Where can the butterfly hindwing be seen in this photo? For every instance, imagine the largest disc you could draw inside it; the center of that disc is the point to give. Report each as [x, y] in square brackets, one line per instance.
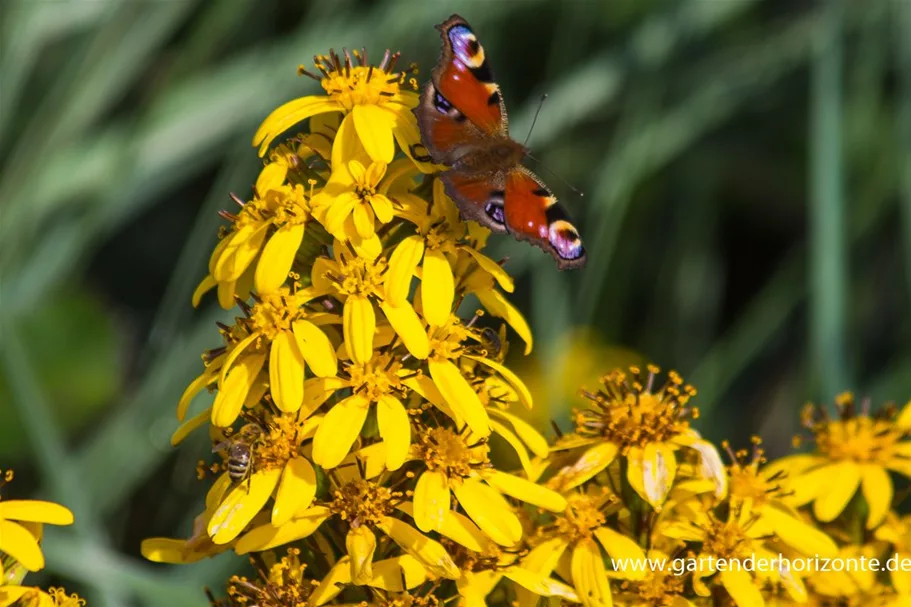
[479, 197]
[532, 213]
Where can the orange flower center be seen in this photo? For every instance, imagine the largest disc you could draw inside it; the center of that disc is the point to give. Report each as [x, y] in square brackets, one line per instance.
[580, 519]
[444, 450]
[376, 378]
[364, 502]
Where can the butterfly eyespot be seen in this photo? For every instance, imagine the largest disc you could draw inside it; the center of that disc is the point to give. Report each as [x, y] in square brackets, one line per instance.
[565, 240]
[494, 207]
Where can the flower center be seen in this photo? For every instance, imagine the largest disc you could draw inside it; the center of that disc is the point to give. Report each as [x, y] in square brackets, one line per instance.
[360, 276]
[278, 444]
[352, 82]
[629, 414]
[727, 539]
[364, 502]
[274, 313]
[446, 342]
[745, 480]
[469, 560]
[283, 586]
[861, 439]
[659, 588]
[441, 238]
[580, 519]
[444, 450]
[59, 598]
[377, 377]
[406, 599]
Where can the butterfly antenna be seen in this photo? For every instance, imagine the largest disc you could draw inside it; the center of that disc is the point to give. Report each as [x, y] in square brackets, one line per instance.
[552, 172]
[535, 119]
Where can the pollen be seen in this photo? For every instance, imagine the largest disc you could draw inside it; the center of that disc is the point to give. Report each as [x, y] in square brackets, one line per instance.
[727, 539]
[363, 502]
[492, 559]
[745, 480]
[283, 585]
[630, 413]
[580, 519]
[377, 377]
[441, 237]
[351, 82]
[274, 312]
[660, 588]
[444, 450]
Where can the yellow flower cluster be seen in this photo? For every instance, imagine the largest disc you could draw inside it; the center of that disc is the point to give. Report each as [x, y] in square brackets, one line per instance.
[354, 410]
[21, 530]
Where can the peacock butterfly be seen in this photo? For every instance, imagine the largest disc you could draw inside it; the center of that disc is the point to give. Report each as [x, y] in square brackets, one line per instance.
[463, 125]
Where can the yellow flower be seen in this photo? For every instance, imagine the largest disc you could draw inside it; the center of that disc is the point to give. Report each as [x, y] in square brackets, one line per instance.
[21, 523]
[353, 201]
[857, 450]
[277, 469]
[266, 349]
[25, 596]
[366, 506]
[658, 588]
[646, 427]
[376, 107]
[260, 247]
[358, 283]
[199, 545]
[570, 545]
[374, 383]
[896, 531]
[457, 463]
[763, 491]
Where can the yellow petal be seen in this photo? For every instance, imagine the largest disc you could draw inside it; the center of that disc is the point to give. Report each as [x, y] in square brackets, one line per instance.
[286, 373]
[208, 283]
[437, 288]
[271, 177]
[316, 348]
[798, 534]
[234, 389]
[347, 147]
[589, 576]
[495, 303]
[268, 536]
[362, 215]
[621, 547]
[196, 386]
[16, 541]
[877, 490]
[338, 212]
[278, 255]
[407, 134]
[382, 208]
[338, 431]
[402, 264]
[526, 432]
[295, 491]
[513, 440]
[398, 574]
[225, 294]
[513, 379]
[543, 586]
[844, 478]
[188, 427]
[241, 504]
[361, 544]
[740, 586]
[460, 396]
[589, 464]
[9, 595]
[493, 268]
[526, 491]
[317, 390]
[395, 430]
[289, 114]
[35, 511]
[492, 513]
[460, 529]
[168, 550]
[659, 467]
[544, 557]
[234, 354]
[430, 553]
[374, 129]
[408, 326]
[431, 500]
[359, 326]
[239, 254]
[217, 491]
[904, 418]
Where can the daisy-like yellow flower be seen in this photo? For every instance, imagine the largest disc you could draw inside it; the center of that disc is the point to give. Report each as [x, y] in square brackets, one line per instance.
[364, 506]
[265, 235]
[572, 545]
[266, 349]
[458, 464]
[376, 106]
[21, 523]
[358, 283]
[855, 451]
[277, 469]
[658, 588]
[645, 426]
[26, 596]
[764, 491]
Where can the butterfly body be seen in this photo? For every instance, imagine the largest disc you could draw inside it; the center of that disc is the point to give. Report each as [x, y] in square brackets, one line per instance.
[463, 125]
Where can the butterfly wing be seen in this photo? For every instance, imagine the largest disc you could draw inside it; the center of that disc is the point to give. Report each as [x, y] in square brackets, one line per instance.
[532, 213]
[461, 106]
[480, 197]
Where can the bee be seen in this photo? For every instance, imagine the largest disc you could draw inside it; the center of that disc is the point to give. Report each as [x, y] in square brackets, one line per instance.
[493, 341]
[239, 447]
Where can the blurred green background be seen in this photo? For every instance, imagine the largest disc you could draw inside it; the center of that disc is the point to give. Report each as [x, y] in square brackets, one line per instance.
[747, 176]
